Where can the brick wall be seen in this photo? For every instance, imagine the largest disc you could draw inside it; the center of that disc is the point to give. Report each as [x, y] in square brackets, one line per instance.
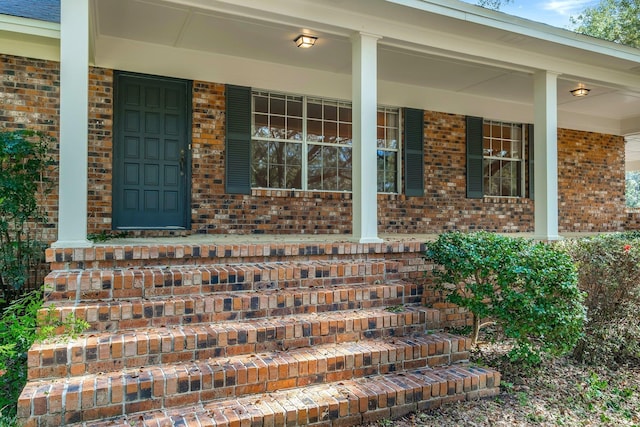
[100, 149]
[445, 206]
[29, 99]
[591, 182]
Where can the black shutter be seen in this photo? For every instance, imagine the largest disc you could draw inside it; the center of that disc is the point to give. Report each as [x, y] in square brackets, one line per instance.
[475, 186]
[238, 140]
[530, 145]
[413, 152]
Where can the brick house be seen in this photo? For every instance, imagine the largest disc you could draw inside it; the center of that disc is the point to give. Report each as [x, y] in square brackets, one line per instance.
[356, 119]
[502, 69]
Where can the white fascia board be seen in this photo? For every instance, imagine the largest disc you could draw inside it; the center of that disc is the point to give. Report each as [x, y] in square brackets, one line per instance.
[502, 21]
[29, 38]
[29, 46]
[32, 27]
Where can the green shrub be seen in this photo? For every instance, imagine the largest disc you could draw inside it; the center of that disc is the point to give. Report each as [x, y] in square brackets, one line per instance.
[529, 289]
[23, 160]
[20, 327]
[609, 274]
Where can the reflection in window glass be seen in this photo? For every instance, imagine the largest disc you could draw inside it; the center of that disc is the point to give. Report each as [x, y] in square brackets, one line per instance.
[284, 127]
[503, 147]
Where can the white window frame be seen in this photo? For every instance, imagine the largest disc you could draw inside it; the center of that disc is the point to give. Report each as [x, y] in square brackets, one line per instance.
[305, 143]
[521, 160]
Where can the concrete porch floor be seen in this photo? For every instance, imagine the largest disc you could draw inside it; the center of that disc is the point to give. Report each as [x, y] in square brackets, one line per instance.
[296, 238]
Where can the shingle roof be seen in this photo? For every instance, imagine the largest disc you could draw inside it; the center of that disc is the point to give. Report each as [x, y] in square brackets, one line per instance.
[43, 10]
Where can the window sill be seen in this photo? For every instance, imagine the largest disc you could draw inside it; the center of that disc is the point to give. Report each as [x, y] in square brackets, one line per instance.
[274, 192]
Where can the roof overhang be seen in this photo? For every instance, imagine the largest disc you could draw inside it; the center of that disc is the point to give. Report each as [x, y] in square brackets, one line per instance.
[29, 37]
[442, 55]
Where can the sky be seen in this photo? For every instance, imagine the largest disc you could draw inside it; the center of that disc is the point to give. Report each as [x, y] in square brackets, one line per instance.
[552, 12]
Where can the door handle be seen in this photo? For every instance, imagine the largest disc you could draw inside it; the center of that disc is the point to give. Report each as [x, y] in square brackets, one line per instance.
[182, 162]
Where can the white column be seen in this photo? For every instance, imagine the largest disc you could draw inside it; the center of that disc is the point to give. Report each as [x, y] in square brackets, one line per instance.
[365, 99]
[74, 97]
[546, 155]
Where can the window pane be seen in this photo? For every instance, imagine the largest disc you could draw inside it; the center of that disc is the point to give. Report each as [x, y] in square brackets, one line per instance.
[294, 154]
[516, 133]
[344, 133]
[387, 172]
[314, 130]
[314, 176]
[294, 108]
[324, 149]
[275, 153]
[344, 158]
[392, 119]
[329, 158]
[259, 164]
[294, 129]
[330, 131]
[516, 150]
[496, 130]
[392, 138]
[314, 110]
[506, 132]
[278, 129]
[380, 162]
[345, 114]
[330, 179]
[330, 111]
[486, 147]
[276, 176]
[277, 106]
[314, 155]
[505, 148]
[344, 181]
[380, 142]
[391, 173]
[260, 104]
[390, 161]
[260, 127]
[294, 177]
[502, 148]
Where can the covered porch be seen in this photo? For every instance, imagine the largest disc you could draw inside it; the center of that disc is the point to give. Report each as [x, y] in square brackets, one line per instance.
[436, 56]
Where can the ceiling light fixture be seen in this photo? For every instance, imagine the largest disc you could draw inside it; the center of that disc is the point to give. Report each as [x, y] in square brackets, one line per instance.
[305, 41]
[580, 91]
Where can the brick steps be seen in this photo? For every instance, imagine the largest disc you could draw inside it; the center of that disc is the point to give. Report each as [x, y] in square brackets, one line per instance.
[123, 315]
[170, 385]
[108, 351]
[168, 280]
[118, 255]
[343, 403]
[267, 334]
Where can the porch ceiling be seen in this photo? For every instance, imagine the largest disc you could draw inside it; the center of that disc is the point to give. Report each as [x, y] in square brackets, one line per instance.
[236, 29]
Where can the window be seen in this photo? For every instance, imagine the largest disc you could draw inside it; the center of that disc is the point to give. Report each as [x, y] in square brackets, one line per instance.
[388, 141]
[503, 159]
[306, 143]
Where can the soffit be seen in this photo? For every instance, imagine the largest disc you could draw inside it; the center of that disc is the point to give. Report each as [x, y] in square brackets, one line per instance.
[238, 29]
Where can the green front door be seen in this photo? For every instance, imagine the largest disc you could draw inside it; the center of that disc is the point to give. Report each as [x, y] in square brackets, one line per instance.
[151, 171]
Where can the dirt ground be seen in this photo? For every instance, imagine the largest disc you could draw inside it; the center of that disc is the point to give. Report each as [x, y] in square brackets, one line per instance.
[561, 393]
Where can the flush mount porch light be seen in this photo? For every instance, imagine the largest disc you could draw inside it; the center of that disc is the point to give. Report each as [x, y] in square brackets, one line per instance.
[305, 41]
[580, 91]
